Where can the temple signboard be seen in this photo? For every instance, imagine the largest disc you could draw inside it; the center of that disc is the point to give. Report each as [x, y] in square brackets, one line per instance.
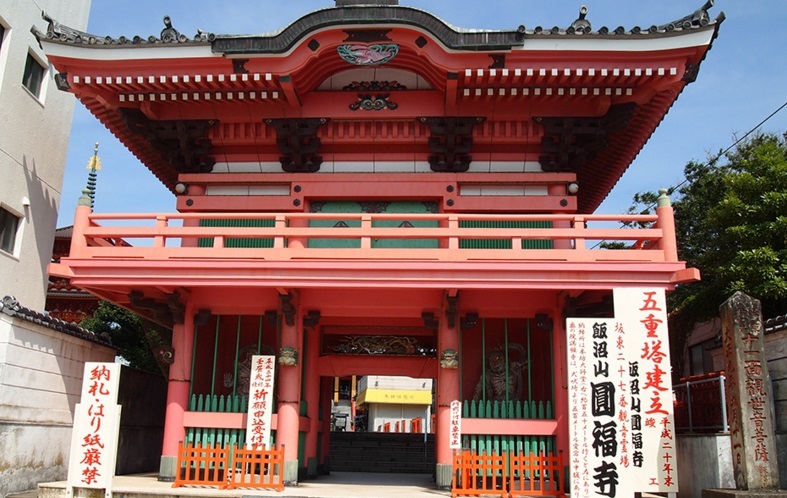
[96, 429]
[258, 421]
[620, 398]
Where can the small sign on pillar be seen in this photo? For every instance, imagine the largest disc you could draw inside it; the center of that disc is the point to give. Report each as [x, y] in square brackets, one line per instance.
[96, 428]
[455, 434]
[258, 425]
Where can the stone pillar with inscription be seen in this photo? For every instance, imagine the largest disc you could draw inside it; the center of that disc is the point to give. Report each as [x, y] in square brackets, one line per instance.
[749, 399]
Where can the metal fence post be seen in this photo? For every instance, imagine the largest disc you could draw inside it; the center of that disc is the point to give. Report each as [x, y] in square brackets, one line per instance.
[688, 401]
[723, 397]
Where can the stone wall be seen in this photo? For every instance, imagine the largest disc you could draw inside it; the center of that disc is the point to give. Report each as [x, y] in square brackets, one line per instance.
[40, 381]
[776, 353]
[704, 461]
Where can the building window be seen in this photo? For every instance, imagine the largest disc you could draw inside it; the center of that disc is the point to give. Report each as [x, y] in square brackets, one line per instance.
[34, 75]
[9, 226]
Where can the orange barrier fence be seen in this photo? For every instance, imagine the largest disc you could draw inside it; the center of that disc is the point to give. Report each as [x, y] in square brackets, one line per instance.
[230, 467]
[476, 475]
[536, 475]
[508, 475]
[257, 468]
[201, 465]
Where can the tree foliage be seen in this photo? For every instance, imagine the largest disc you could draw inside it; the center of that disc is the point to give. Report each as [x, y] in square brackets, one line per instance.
[731, 222]
[732, 225]
[132, 335]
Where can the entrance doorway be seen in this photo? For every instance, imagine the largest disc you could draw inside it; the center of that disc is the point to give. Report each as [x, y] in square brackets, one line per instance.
[382, 424]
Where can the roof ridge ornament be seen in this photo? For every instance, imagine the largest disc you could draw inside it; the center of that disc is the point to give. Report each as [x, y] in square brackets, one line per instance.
[170, 34]
[699, 17]
[580, 25]
[65, 34]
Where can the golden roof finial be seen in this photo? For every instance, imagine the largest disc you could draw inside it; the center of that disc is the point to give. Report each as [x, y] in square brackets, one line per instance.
[95, 161]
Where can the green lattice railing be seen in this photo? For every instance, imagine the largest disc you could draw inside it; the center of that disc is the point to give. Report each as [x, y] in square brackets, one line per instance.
[262, 242]
[507, 409]
[503, 243]
[218, 403]
[499, 444]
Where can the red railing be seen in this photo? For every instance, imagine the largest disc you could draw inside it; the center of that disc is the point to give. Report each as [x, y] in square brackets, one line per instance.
[230, 467]
[201, 466]
[536, 475]
[476, 475]
[257, 468]
[177, 236]
[508, 475]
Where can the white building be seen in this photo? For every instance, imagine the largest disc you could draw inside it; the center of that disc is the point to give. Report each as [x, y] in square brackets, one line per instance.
[41, 359]
[392, 403]
[35, 123]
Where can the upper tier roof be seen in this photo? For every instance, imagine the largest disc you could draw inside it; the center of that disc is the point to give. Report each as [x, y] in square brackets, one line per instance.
[572, 99]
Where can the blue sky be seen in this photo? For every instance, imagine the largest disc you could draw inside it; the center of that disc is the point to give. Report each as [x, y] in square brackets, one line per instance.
[741, 82]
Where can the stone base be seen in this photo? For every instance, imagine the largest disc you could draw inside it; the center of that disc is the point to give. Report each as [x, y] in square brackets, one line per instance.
[290, 473]
[168, 468]
[311, 468]
[443, 476]
[739, 493]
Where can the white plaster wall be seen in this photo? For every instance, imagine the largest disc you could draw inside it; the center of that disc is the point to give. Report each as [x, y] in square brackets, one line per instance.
[703, 462]
[40, 381]
[33, 144]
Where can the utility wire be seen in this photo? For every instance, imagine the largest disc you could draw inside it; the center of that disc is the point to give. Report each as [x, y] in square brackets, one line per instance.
[712, 162]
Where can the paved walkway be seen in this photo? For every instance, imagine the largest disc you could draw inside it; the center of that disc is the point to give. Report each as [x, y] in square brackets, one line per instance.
[336, 485]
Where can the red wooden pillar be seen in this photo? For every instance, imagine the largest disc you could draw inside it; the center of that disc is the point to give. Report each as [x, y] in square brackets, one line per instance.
[289, 390]
[560, 374]
[177, 394]
[326, 400]
[447, 390]
[312, 396]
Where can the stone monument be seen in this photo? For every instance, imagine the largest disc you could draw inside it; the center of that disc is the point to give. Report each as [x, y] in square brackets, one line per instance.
[749, 402]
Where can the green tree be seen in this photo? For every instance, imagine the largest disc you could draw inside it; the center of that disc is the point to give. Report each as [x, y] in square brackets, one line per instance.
[731, 222]
[732, 225]
[132, 335]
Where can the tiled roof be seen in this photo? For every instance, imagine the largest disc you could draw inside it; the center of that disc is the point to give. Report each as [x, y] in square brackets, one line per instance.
[451, 36]
[11, 307]
[65, 232]
[775, 324]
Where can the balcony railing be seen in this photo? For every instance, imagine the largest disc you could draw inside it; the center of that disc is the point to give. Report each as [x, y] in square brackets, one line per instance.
[381, 237]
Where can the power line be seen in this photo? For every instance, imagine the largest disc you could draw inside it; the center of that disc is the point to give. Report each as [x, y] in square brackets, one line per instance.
[712, 162]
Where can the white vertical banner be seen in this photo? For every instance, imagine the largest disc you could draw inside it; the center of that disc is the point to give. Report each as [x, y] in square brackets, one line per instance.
[261, 382]
[620, 399]
[455, 425]
[598, 415]
[643, 312]
[96, 428]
